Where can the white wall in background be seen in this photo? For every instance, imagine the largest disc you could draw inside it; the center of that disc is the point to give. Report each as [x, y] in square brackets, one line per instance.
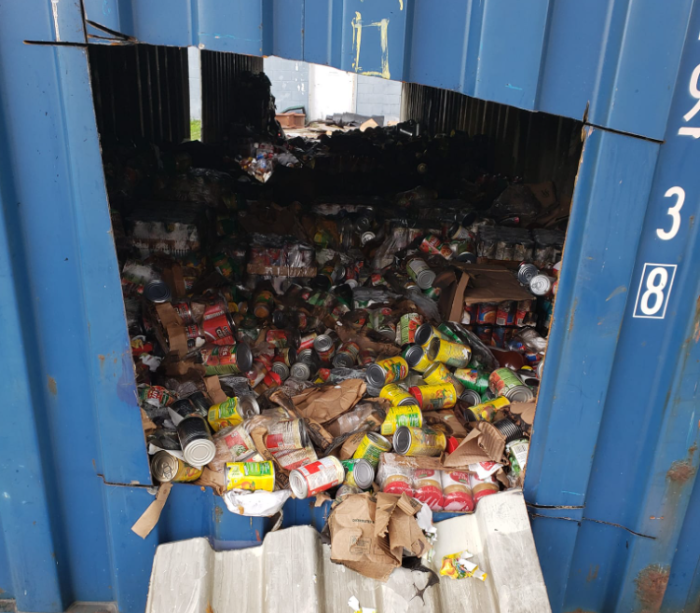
[195, 72]
[330, 91]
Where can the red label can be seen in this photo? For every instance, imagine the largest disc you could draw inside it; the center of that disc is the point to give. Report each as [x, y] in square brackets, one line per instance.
[218, 329]
[486, 313]
[456, 491]
[307, 341]
[427, 487]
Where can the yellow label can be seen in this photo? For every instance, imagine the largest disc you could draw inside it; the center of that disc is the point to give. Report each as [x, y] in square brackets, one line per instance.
[447, 352]
[225, 414]
[371, 447]
[406, 415]
[486, 411]
[395, 394]
[250, 476]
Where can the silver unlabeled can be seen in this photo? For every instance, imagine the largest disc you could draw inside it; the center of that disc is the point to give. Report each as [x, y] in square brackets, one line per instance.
[420, 272]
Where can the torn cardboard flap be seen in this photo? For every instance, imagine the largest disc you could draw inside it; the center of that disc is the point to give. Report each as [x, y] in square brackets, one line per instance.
[177, 338]
[451, 302]
[145, 524]
[491, 283]
[446, 418]
[484, 443]
[323, 404]
[351, 444]
[370, 537]
[214, 391]
[213, 479]
[526, 410]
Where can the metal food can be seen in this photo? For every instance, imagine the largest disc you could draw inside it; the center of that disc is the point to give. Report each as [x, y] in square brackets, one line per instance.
[509, 429]
[521, 311]
[517, 455]
[406, 415]
[288, 434]
[325, 344]
[238, 441]
[218, 329]
[280, 369]
[486, 313]
[367, 357]
[396, 479]
[438, 374]
[432, 292]
[277, 338]
[306, 366]
[420, 272]
[486, 411]
[504, 382]
[427, 487]
[359, 473]
[426, 333]
[316, 477]
[347, 355]
[227, 359]
[166, 468]
[184, 312]
[482, 487]
[417, 358]
[371, 447]
[232, 412]
[250, 476]
[469, 313]
[457, 491]
[541, 285]
[447, 352]
[526, 272]
[473, 379]
[290, 459]
[307, 341]
[485, 334]
[397, 395]
[406, 329]
[470, 398]
[197, 445]
[442, 396]
[419, 441]
[263, 304]
[387, 371]
[157, 291]
[505, 313]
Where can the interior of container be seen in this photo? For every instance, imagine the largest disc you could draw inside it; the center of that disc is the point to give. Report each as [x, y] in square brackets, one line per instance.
[141, 101]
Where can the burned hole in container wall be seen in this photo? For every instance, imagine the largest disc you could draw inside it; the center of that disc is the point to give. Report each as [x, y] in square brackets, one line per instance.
[308, 285]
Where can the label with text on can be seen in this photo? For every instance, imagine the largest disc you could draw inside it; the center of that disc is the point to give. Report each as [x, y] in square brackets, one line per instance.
[517, 455]
[387, 371]
[288, 434]
[250, 476]
[419, 441]
[486, 411]
[316, 477]
[371, 447]
[405, 415]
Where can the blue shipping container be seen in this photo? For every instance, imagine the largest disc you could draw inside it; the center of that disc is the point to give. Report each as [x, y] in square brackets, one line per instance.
[613, 464]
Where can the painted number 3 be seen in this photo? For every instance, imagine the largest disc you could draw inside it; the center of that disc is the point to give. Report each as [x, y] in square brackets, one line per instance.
[674, 212]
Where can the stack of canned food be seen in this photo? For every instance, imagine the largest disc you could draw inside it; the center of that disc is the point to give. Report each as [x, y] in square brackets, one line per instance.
[242, 341]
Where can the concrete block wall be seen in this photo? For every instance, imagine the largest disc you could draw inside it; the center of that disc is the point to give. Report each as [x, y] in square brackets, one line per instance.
[290, 82]
[377, 96]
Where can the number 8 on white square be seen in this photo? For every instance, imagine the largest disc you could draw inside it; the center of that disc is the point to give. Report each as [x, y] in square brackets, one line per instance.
[654, 291]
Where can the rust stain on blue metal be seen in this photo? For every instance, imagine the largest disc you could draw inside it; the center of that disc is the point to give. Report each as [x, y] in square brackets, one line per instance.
[651, 586]
[52, 386]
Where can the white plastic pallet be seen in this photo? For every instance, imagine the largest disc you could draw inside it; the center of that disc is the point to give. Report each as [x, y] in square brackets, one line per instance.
[292, 572]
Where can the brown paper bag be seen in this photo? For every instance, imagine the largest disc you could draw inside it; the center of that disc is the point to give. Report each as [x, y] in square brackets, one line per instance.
[323, 404]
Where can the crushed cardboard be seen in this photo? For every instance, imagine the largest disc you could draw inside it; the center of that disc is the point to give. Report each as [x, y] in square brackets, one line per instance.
[370, 536]
[323, 404]
[175, 330]
[526, 410]
[484, 443]
[148, 520]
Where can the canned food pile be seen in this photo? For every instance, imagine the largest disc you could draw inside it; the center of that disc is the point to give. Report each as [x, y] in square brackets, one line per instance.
[313, 348]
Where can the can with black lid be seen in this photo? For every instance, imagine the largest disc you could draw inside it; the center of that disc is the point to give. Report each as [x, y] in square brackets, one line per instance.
[197, 444]
[509, 429]
[157, 291]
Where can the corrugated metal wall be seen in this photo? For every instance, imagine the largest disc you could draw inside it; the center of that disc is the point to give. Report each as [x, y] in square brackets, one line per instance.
[141, 92]
[220, 105]
[536, 146]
